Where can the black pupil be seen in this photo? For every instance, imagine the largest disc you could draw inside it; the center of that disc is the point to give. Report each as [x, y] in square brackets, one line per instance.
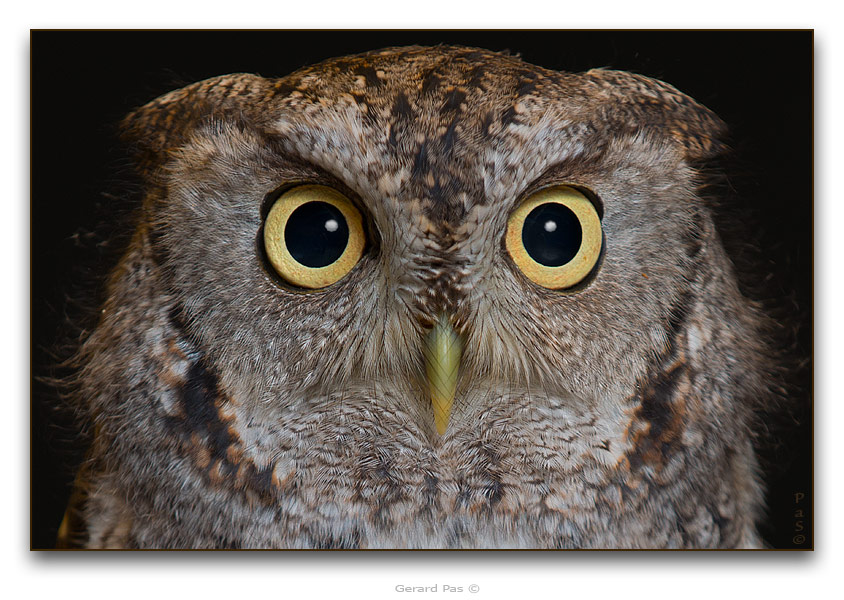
[316, 234]
[551, 234]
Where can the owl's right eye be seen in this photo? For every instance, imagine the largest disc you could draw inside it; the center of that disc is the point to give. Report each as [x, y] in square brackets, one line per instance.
[313, 236]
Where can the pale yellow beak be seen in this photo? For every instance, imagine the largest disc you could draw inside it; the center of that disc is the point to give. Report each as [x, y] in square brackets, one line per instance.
[443, 349]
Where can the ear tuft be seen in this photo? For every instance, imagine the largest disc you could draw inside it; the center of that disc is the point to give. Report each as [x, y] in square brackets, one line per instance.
[639, 102]
[163, 125]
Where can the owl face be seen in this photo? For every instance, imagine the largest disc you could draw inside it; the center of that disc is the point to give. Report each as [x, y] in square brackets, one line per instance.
[430, 297]
[436, 182]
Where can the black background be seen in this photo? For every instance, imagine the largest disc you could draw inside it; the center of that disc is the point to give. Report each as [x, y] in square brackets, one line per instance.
[83, 83]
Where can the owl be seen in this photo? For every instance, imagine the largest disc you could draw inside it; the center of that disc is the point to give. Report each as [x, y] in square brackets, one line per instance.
[423, 298]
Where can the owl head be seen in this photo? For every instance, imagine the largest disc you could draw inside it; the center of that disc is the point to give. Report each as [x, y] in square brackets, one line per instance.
[430, 295]
[444, 172]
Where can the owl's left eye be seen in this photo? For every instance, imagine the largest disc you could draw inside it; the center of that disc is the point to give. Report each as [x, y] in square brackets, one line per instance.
[555, 237]
[313, 236]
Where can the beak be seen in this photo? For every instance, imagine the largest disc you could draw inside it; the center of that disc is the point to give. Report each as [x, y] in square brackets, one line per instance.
[443, 349]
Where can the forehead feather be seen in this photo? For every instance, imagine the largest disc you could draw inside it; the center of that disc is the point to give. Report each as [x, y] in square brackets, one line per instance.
[411, 121]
